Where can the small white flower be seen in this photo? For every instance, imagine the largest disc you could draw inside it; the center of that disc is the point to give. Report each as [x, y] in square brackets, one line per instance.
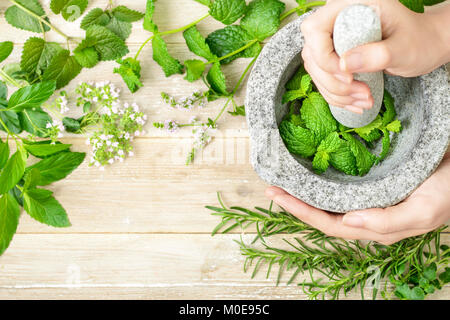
[131, 153]
[111, 161]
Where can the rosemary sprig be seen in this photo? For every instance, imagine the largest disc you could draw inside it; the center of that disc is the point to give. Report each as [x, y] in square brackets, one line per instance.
[409, 269]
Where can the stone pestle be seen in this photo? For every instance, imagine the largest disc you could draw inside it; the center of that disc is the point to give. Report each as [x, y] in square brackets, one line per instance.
[357, 25]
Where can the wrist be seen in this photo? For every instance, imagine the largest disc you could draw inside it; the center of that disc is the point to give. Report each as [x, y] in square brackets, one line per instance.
[439, 20]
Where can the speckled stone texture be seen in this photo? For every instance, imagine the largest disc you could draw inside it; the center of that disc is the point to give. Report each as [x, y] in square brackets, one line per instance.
[423, 106]
[355, 26]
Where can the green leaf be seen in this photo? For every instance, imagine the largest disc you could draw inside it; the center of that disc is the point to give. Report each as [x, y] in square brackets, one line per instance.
[37, 55]
[216, 80]
[13, 171]
[43, 207]
[32, 96]
[228, 11]
[317, 116]
[71, 125]
[293, 95]
[63, 68]
[31, 179]
[46, 150]
[58, 167]
[6, 48]
[108, 45]
[366, 130]
[20, 19]
[9, 220]
[295, 82]
[263, 18]
[403, 291]
[430, 272]
[296, 119]
[196, 44]
[14, 71]
[127, 15]
[194, 69]
[162, 56]
[230, 39]
[207, 3]
[121, 28]
[238, 111]
[372, 136]
[130, 71]
[414, 5]
[386, 146]
[389, 104]
[445, 276]
[87, 58]
[3, 91]
[394, 126]
[4, 153]
[298, 140]
[321, 162]
[35, 121]
[344, 160]
[11, 120]
[417, 294]
[71, 10]
[149, 25]
[95, 17]
[306, 83]
[364, 159]
[432, 2]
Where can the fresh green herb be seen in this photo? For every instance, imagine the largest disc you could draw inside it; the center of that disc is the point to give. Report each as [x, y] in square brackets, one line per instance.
[410, 269]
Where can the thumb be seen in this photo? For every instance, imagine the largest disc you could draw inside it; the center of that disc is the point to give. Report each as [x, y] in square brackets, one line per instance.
[371, 57]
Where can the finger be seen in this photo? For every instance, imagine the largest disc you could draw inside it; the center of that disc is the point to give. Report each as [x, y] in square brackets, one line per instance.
[404, 216]
[371, 57]
[317, 30]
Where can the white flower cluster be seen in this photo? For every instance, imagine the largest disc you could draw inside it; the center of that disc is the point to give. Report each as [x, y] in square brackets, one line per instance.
[186, 103]
[55, 129]
[62, 103]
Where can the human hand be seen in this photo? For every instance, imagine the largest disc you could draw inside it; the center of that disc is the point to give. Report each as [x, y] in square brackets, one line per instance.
[413, 44]
[425, 210]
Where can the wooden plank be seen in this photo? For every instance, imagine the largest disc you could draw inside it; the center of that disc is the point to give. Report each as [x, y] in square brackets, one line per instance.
[138, 266]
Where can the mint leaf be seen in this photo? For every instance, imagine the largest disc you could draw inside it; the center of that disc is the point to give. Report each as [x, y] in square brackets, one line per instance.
[432, 2]
[71, 124]
[263, 18]
[296, 81]
[6, 48]
[45, 150]
[445, 276]
[332, 143]
[230, 39]
[71, 10]
[389, 104]
[414, 5]
[130, 71]
[31, 179]
[10, 119]
[13, 171]
[32, 96]
[4, 153]
[343, 160]
[149, 25]
[87, 58]
[205, 2]
[293, 95]
[121, 28]
[394, 126]
[63, 68]
[321, 162]
[196, 44]
[298, 140]
[43, 207]
[194, 69]
[35, 121]
[364, 159]
[20, 19]
[238, 111]
[127, 15]
[386, 146]
[95, 17]
[306, 83]
[216, 80]
[228, 11]
[9, 220]
[162, 56]
[366, 130]
[57, 167]
[108, 45]
[317, 116]
[3, 91]
[372, 136]
[37, 55]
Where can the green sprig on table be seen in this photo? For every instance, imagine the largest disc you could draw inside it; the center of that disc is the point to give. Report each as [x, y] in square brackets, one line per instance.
[410, 269]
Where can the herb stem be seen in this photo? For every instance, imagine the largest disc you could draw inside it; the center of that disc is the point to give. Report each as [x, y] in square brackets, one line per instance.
[302, 7]
[8, 79]
[170, 32]
[248, 45]
[42, 20]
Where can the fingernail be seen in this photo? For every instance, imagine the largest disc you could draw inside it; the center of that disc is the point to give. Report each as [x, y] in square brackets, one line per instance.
[344, 78]
[354, 109]
[360, 96]
[352, 61]
[355, 219]
[366, 104]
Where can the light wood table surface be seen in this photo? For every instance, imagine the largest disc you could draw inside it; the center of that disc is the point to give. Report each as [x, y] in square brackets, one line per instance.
[140, 229]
